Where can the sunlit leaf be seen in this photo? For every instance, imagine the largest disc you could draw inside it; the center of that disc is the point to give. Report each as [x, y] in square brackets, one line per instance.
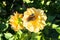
[48, 23]
[54, 26]
[42, 2]
[59, 37]
[27, 1]
[58, 29]
[12, 38]
[38, 37]
[1, 36]
[48, 3]
[8, 35]
[19, 33]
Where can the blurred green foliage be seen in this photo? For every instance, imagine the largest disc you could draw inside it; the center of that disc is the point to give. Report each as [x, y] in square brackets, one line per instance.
[50, 32]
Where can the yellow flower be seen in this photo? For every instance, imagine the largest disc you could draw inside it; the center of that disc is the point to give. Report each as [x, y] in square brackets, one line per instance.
[34, 19]
[16, 21]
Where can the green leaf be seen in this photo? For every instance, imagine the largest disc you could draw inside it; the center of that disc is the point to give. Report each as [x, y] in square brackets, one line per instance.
[1, 36]
[38, 37]
[35, 36]
[59, 37]
[3, 26]
[54, 26]
[49, 23]
[27, 1]
[24, 36]
[17, 36]
[12, 38]
[19, 33]
[51, 18]
[58, 29]
[8, 35]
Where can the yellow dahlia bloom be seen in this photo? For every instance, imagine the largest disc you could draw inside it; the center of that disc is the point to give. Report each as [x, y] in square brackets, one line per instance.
[34, 19]
[16, 21]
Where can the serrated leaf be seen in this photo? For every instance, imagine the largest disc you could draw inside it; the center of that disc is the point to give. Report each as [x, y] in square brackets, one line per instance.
[8, 35]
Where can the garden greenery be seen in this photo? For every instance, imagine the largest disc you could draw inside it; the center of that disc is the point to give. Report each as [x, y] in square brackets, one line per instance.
[10, 31]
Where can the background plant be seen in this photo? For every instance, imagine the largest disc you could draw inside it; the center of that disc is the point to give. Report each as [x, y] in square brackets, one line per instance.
[50, 32]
